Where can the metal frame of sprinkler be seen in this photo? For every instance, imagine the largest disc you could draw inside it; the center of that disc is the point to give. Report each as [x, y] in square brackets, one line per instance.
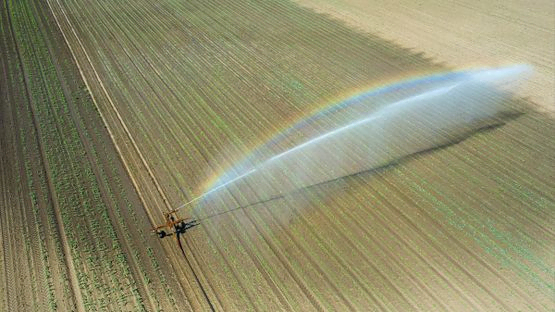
[174, 224]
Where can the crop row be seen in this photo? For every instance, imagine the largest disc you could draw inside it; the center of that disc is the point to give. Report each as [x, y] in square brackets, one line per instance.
[95, 247]
[422, 200]
[34, 258]
[119, 209]
[199, 79]
[164, 81]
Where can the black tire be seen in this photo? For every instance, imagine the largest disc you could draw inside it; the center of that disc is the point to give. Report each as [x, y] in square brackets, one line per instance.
[162, 234]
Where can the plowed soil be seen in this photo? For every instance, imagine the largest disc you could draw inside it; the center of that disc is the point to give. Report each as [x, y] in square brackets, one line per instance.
[181, 90]
[463, 34]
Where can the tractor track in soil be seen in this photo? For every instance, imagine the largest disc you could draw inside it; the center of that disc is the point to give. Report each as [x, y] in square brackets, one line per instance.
[44, 238]
[5, 237]
[8, 280]
[24, 208]
[51, 191]
[112, 106]
[39, 224]
[76, 116]
[168, 249]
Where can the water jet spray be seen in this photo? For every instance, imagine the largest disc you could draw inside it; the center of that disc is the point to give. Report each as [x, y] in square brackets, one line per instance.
[370, 132]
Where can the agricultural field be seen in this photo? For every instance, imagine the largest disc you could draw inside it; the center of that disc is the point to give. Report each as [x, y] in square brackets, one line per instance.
[68, 210]
[463, 33]
[114, 112]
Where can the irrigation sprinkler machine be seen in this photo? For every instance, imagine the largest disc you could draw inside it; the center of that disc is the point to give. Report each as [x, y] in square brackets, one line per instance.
[361, 135]
[174, 225]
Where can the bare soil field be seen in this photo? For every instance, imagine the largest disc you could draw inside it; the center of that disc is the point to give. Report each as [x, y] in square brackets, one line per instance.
[463, 34]
[182, 90]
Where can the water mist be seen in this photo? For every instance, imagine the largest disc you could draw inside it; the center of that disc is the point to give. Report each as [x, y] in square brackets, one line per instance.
[365, 133]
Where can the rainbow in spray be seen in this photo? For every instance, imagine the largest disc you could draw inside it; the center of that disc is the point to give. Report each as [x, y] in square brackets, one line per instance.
[365, 122]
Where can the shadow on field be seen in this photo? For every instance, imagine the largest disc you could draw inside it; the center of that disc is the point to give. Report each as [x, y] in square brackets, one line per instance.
[519, 107]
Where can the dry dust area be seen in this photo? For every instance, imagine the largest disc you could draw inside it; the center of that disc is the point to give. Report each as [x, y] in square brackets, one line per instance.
[464, 33]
